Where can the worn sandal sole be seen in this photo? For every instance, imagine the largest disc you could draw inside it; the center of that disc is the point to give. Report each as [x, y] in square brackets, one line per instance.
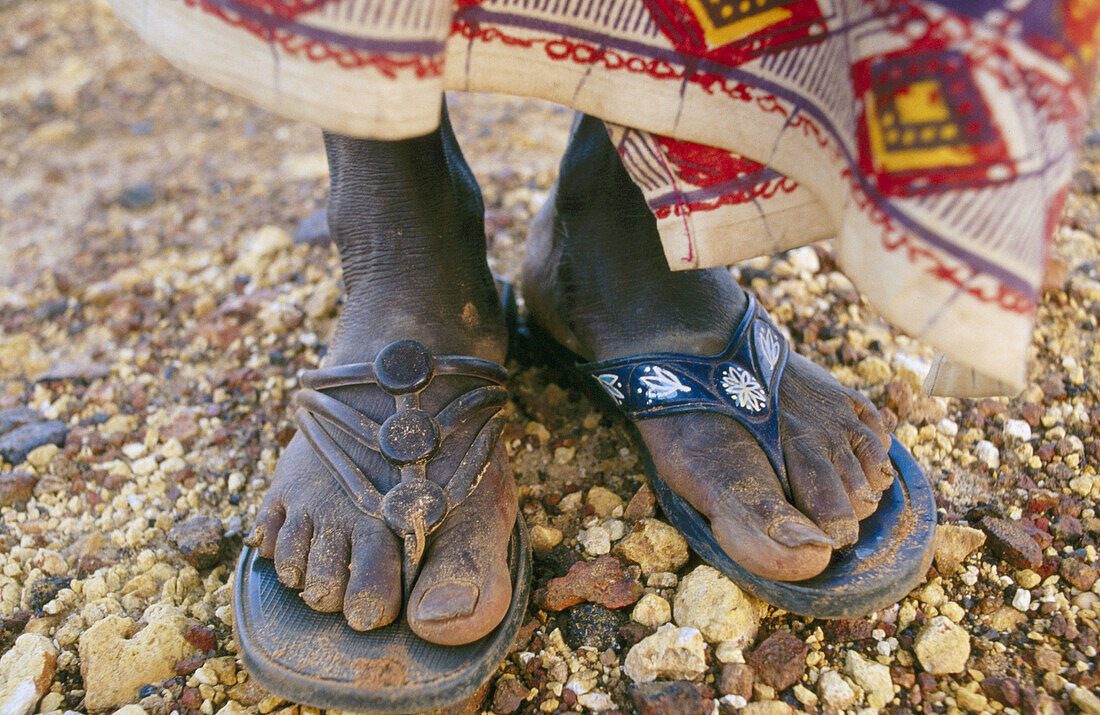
[890, 559]
[316, 659]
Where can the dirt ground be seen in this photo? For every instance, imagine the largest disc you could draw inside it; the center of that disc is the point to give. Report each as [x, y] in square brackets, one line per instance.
[156, 307]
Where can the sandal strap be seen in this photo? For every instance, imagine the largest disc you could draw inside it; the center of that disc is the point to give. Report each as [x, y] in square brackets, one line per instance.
[742, 382]
[407, 439]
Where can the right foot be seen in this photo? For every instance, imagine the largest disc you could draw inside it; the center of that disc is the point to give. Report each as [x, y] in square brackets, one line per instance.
[407, 219]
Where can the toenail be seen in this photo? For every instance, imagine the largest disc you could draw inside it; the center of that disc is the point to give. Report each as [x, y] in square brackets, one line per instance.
[867, 494]
[447, 599]
[290, 575]
[365, 613]
[794, 534]
[315, 593]
[889, 472]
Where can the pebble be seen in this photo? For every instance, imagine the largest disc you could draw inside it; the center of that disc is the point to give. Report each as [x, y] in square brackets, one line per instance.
[13, 417]
[603, 501]
[665, 698]
[652, 610]
[942, 647]
[986, 452]
[1021, 600]
[736, 679]
[510, 693]
[767, 707]
[592, 625]
[544, 538]
[672, 652]
[642, 505]
[604, 581]
[873, 677]
[1011, 543]
[595, 540]
[779, 661]
[313, 229]
[654, 546]
[1088, 701]
[1006, 691]
[1079, 574]
[1018, 429]
[16, 488]
[138, 196]
[717, 607]
[199, 540]
[26, 672]
[18, 443]
[835, 691]
[117, 659]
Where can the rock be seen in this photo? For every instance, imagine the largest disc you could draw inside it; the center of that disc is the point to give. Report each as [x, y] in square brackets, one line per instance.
[604, 581]
[590, 624]
[953, 543]
[248, 693]
[1018, 429]
[1088, 702]
[81, 371]
[986, 452]
[942, 647]
[804, 260]
[641, 505]
[834, 690]
[135, 710]
[199, 539]
[595, 540]
[14, 417]
[116, 659]
[671, 652]
[544, 538]
[141, 195]
[18, 443]
[313, 230]
[873, 677]
[1078, 573]
[16, 488]
[767, 707]
[322, 301]
[1006, 691]
[655, 546]
[848, 630]
[722, 612]
[873, 370]
[43, 590]
[665, 698]
[779, 661]
[736, 679]
[1011, 543]
[26, 672]
[652, 610]
[603, 501]
[1021, 600]
[971, 701]
[509, 695]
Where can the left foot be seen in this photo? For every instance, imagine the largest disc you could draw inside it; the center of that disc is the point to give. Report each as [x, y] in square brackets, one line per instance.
[596, 279]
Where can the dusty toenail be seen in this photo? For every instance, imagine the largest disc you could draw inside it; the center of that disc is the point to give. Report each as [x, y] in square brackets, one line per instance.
[364, 613]
[795, 533]
[447, 599]
[290, 575]
[867, 494]
[889, 472]
[315, 593]
[842, 531]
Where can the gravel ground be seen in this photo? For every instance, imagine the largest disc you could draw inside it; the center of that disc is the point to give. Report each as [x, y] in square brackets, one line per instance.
[160, 293]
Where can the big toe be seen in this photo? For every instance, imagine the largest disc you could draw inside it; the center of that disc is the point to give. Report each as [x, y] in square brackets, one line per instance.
[775, 541]
[465, 586]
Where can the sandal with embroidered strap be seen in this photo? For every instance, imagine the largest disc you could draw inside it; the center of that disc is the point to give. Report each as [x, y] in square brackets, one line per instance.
[316, 658]
[894, 549]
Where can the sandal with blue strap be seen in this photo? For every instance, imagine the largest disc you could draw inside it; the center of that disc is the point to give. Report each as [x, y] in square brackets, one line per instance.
[894, 549]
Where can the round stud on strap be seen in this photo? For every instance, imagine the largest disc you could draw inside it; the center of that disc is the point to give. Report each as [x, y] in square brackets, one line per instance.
[411, 499]
[408, 436]
[403, 367]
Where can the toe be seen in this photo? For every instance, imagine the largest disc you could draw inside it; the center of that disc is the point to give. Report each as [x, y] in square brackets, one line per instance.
[268, 523]
[373, 595]
[820, 493]
[327, 569]
[292, 550]
[863, 496]
[871, 417]
[874, 459]
[465, 586]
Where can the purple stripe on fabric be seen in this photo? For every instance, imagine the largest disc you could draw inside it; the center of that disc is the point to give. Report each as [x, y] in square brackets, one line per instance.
[983, 265]
[741, 183]
[367, 44]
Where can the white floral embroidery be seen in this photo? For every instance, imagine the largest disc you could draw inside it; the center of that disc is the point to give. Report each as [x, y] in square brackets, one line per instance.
[769, 344]
[661, 384]
[744, 389]
[610, 382]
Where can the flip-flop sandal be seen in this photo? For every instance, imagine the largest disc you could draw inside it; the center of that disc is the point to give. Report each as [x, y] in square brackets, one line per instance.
[894, 549]
[316, 658]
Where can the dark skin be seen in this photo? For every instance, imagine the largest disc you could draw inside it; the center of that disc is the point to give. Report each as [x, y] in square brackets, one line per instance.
[407, 219]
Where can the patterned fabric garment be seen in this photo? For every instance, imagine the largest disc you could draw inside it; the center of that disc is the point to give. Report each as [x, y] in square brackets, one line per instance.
[934, 138]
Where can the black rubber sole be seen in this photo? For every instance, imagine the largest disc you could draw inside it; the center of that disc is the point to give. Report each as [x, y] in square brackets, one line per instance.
[890, 559]
[316, 659]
